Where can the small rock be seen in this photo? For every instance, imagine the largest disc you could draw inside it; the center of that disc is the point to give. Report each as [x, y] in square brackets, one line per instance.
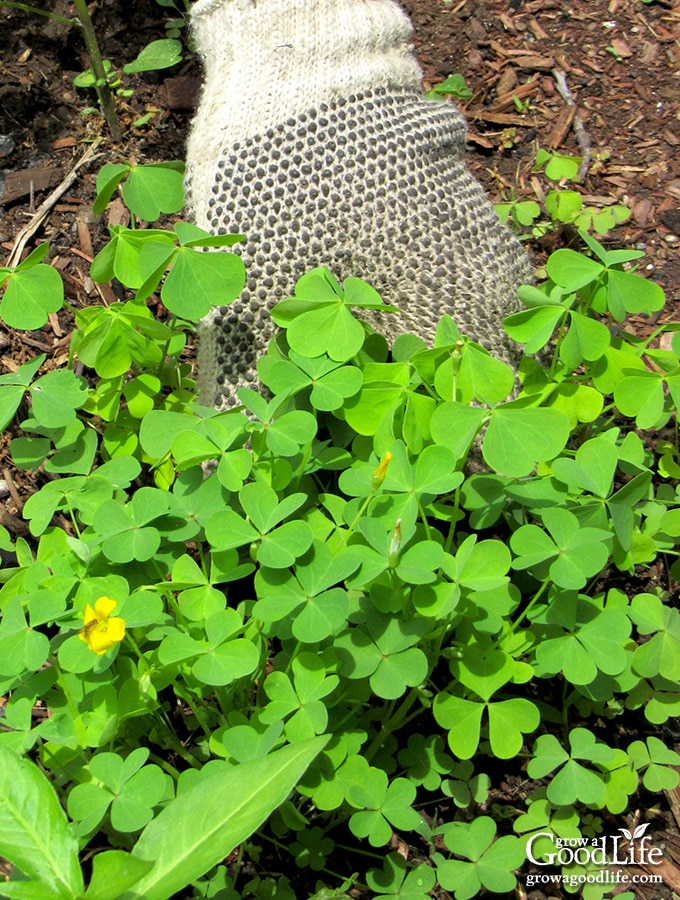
[7, 145]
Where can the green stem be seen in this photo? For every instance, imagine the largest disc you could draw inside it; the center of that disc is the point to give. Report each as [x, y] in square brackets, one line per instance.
[223, 700]
[390, 725]
[165, 765]
[454, 521]
[350, 531]
[24, 7]
[175, 743]
[423, 516]
[556, 352]
[359, 851]
[527, 609]
[102, 83]
[135, 646]
[78, 725]
[293, 656]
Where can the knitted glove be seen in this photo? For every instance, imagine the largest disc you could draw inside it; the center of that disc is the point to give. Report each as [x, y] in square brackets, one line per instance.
[312, 138]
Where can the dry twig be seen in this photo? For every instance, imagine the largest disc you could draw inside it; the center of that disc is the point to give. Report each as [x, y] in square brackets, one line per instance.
[29, 230]
[582, 136]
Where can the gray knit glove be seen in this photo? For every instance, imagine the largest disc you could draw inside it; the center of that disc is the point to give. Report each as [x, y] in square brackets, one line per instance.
[312, 138]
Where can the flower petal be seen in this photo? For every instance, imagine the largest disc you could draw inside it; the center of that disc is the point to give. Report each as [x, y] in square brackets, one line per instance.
[89, 615]
[100, 641]
[104, 606]
[116, 629]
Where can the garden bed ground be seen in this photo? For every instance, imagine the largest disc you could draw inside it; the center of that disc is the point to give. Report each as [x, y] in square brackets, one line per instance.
[621, 63]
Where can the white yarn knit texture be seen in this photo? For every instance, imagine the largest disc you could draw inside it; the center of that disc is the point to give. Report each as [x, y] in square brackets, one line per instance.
[313, 140]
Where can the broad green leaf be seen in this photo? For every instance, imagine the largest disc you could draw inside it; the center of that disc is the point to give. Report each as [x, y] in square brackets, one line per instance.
[455, 426]
[291, 431]
[226, 529]
[227, 662]
[108, 178]
[517, 438]
[113, 873]
[634, 293]
[204, 824]
[509, 721]
[463, 720]
[592, 469]
[330, 328]
[483, 671]
[576, 783]
[56, 396]
[198, 281]
[34, 832]
[642, 396]
[572, 270]
[159, 54]
[29, 297]
[534, 327]
[154, 189]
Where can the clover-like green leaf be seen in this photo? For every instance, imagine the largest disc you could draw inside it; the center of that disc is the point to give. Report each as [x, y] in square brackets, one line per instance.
[491, 862]
[658, 762]
[56, 396]
[301, 698]
[385, 805]
[30, 295]
[517, 438]
[398, 880]
[660, 655]
[570, 555]
[573, 781]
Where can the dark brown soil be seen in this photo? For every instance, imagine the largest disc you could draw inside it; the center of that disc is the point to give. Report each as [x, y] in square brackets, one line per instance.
[621, 63]
[620, 59]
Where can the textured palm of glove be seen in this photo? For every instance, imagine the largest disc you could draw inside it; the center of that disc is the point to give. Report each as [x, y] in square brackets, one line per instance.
[370, 184]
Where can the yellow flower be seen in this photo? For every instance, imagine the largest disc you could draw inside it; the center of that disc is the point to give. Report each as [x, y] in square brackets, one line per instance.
[381, 471]
[101, 631]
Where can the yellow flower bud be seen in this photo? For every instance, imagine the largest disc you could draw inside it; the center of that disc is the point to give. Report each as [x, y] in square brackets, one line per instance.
[381, 472]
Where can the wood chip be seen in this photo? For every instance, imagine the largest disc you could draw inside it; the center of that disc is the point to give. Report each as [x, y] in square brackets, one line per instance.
[25, 181]
[480, 140]
[180, 92]
[506, 82]
[521, 92]
[54, 322]
[535, 63]
[596, 67]
[84, 238]
[562, 127]
[118, 213]
[621, 48]
[642, 212]
[507, 23]
[496, 118]
[11, 523]
[650, 50]
[63, 143]
[536, 30]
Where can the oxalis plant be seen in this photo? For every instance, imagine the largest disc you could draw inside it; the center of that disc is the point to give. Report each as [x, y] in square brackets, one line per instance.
[282, 638]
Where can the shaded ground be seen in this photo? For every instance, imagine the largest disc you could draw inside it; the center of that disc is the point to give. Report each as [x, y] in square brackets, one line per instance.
[621, 63]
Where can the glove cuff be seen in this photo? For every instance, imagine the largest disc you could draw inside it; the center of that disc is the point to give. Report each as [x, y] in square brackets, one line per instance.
[270, 60]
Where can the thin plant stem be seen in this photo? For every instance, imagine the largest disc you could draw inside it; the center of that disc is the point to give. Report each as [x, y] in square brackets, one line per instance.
[101, 81]
[25, 7]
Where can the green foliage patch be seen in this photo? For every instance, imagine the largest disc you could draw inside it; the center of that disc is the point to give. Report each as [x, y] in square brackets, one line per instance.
[332, 615]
